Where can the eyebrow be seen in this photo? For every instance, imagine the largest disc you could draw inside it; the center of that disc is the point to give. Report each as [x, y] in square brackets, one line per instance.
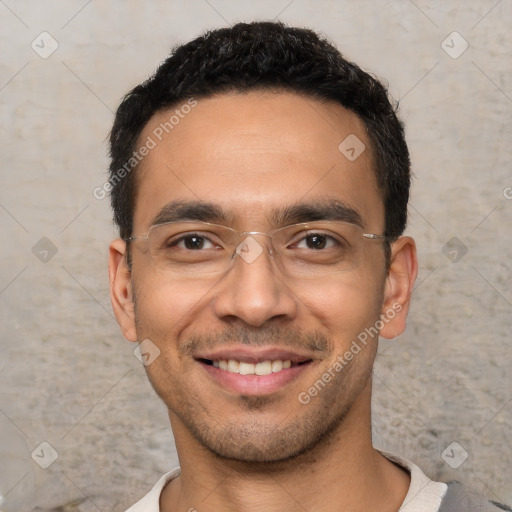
[190, 210]
[325, 209]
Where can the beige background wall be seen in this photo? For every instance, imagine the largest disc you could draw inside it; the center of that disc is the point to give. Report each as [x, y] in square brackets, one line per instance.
[69, 379]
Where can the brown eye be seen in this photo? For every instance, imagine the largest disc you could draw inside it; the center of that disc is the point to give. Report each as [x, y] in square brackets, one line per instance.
[193, 242]
[316, 241]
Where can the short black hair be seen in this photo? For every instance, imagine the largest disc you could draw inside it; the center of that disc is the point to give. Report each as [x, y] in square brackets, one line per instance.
[263, 55]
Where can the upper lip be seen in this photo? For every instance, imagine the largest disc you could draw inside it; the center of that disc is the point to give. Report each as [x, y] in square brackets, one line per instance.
[254, 355]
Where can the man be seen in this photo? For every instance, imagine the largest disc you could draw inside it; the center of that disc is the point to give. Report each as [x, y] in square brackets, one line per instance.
[260, 183]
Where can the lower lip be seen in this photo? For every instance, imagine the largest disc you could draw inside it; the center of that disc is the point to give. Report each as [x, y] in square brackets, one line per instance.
[254, 385]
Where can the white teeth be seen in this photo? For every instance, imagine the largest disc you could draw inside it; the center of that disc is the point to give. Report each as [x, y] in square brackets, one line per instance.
[245, 369]
[263, 368]
[277, 366]
[233, 366]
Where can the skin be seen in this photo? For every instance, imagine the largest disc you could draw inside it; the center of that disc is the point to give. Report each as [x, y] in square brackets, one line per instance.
[249, 154]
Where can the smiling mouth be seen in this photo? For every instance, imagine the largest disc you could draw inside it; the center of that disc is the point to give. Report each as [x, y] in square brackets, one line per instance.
[261, 368]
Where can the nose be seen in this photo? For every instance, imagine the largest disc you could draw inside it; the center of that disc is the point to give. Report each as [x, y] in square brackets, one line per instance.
[254, 290]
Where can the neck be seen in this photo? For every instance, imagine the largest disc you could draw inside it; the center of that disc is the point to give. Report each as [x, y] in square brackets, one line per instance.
[344, 470]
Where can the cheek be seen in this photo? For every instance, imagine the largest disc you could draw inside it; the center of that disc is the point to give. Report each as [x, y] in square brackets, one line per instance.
[345, 305]
[162, 310]
[163, 307]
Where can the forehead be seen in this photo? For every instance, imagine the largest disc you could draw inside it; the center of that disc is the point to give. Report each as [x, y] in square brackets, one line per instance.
[254, 153]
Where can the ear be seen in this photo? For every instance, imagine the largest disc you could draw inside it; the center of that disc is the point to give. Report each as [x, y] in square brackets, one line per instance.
[398, 288]
[121, 293]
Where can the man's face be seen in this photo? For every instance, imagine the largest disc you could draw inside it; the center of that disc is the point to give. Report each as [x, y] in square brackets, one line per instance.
[253, 156]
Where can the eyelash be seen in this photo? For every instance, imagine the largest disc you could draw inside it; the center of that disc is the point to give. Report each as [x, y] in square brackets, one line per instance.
[303, 238]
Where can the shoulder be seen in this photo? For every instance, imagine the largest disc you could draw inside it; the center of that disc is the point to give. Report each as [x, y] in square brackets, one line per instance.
[426, 495]
[151, 502]
[457, 498]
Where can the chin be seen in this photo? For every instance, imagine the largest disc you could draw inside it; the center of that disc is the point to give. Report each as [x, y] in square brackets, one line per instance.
[271, 444]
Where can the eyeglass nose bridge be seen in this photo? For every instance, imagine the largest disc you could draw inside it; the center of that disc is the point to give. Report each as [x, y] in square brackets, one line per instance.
[249, 249]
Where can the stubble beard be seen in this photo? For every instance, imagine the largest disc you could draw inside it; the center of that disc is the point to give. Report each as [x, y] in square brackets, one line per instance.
[259, 443]
[254, 442]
